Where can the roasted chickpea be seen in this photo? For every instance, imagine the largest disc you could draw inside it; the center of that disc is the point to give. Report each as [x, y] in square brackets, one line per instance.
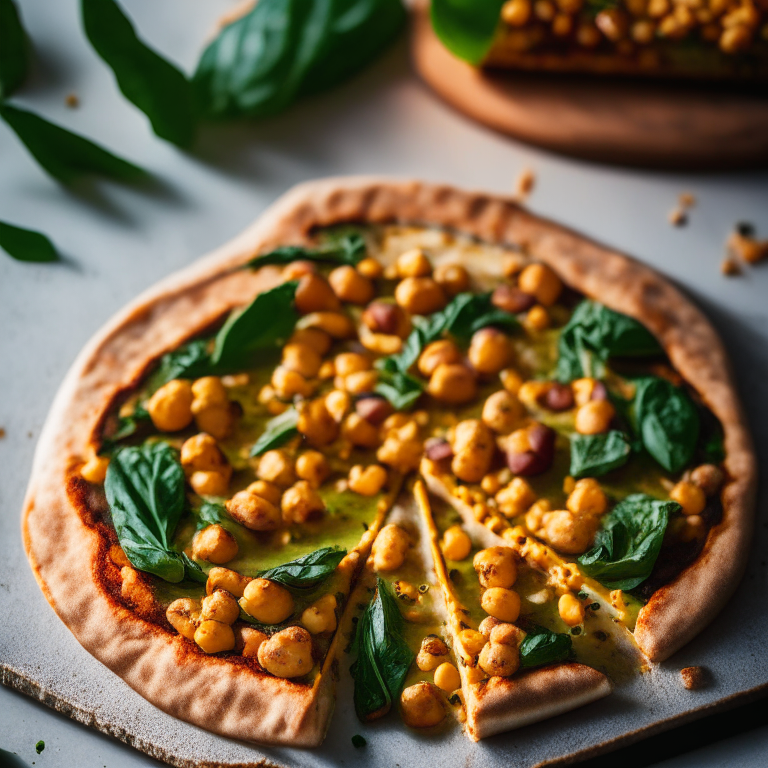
[214, 637]
[537, 319]
[287, 653]
[216, 420]
[437, 353]
[266, 601]
[447, 677]
[336, 324]
[276, 466]
[367, 481]
[568, 533]
[501, 603]
[208, 391]
[248, 640]
[214, 544]
[95, 470]
[210, 483]
[690, 497]
[489, 351]
[422, 706]
[487, 625]
[390, 548]
[506, 634]
[312, 466]
[268, 491]
[314, 294]
[220, 606]
[338, 402]
[594, 417]
[570, 609]
[420, 295]
[317, 423]
[170, 408]
[542, 282]
[302, 359]
[320, 616]
[471, 641]
[503, 412]
[499, 659]
[254, 512]
[413, 263]
[370, 268]
[401, 452]
[587, 498]
[288, 384]
[452, 278]
[313, 338]
[351, 286]
[453, 384]
[456, 544]
[201, 452]
[709, 478]
[362, 382]
[182, 615]
[473, 448]
[301, 502]
[432, 653]
[496, 567]
[224, 578]
[297, 269]
[360, 432]
[515, 498]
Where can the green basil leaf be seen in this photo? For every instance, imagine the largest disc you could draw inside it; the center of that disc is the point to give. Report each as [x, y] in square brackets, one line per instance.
[260, 63]
[349, 249]
[401, 389]
[277, 432]
[127, 426]
[14, 49]
[146, 79]
[594, 455]
[63, 154]
[210, 513]
[541, 646]
[26, 244]
[190, 361]
[145, 492]
[306, 572]
[383, 656]
[629, 541]
[668, 422]
[466, 27]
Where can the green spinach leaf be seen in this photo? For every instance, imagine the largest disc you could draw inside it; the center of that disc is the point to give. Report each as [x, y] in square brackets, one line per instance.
[541, 646]
[383, 656]
[14, 49]
[594, 455]
[627, 545]
[466, 27]
[26, 244]
[63, 154]
[306, 572]
[146, 79]
[277, 432]
[210, 513]
[127, 426]
[190, 361]
[401, 389]
[349, 249]
[145, 492]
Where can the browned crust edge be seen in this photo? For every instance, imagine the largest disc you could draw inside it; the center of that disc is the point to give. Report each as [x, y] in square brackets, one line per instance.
[59, 545]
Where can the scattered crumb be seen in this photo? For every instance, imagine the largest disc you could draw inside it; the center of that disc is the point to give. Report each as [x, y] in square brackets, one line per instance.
[72, 101]
[2, 433]
[678, 217]
[694, 677]
[729, 267]
[358, 741]
[746, 247]
[686, 200]
[30, 434]
[524, 184]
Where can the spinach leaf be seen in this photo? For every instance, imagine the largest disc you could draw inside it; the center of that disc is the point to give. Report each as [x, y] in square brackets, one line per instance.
[593, 335]
[14, 49]
[282, 49]
[349, 249]
[466, 27]
[65, 155]
[26, 244]
[401, 389]
[541, 646]
[145, 492]
[277, 432]
[127, 426]
[594, 455]
[308, 571]
[210, 513]
[627, 545]
[668, 422]
[383, 656]
[190, 361]
[146, 79]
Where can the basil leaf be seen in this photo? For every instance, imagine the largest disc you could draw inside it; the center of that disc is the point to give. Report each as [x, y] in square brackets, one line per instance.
[65, 155]
[282, 49]
[383, 656]
[401, 389]
[466, 27]
[594, 455]
[627, 545]
[127, 426]
[308, 571]
[210, 513]
[349, 249]
[26, 244]
[593, 335]
[668, 422]
[277, 432]
[541, 646]
[145, 492]
[14, 49]
[190, 361]
[146, 79]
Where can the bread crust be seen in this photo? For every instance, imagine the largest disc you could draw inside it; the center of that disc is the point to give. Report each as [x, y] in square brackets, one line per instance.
[236, 700]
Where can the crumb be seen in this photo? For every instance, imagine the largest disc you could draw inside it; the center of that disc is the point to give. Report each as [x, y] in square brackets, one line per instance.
[30, 434]
[72, 101]
[678, 217]
[2, 433]
[694, 677]
[729, 267]
[524, 184]
[686, 200]
[746, 247]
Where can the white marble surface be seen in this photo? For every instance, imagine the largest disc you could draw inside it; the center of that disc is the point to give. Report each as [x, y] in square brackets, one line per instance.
[118, 240]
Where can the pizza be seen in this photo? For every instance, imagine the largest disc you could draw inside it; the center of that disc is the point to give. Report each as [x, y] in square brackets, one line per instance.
[493, 468]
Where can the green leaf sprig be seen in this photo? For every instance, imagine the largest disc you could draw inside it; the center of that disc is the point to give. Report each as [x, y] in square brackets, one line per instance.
[466, 27]
[307, 572]
[14, 49]
[595, 455]
[542, 646]
[277, 431]
[348, 249]
[26, 244]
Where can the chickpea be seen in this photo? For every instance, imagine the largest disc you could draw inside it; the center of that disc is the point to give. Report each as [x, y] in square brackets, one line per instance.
[314, 294]
[471, 641]
[297, 269]
[170, 408]
[214, 544]
[447, 677]
[301, 502]
[487, 626]
[587, 498]
[201, 452]
[452, 278]
[401, 453]
[320, 616]
[224, 578]
[567, 533]
[503, 604]
[210, 483]
[456, 544]
[473, 448]
[117, 556]
[516, 12]
[317, 423]
[214, 637]
[370, 268]
[390, 548]
[437, 353]
[422, 706]
[594, 417]
[515, 498]
[216, 420]
[537, 318]
[313, 338]
[362, 382]
[413, 263]
[690, 497]
[360, 432]
[496, 567]
[288, 384]
[351, 362]
[383, 317]
[499, 660]
[405, 591]
[709, 478]
[351, 286]
[511, 380]
[506, 634]
[95, 470]
[420, 295]
[209, 391]
[302, 359]
[220, 606]
[313, 467]
[248, 640]
[182, 615]
[541, 281]
[287, 653]
[276, 466]
[266, 601]
[489, 351]
[367, 481]
[338, 402]
[503, 412]
[336, 324]
[266, 490]
[570, 609]
[453, 384]
[254, 512]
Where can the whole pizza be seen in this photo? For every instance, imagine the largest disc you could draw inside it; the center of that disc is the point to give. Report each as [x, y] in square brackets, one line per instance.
[490, 467]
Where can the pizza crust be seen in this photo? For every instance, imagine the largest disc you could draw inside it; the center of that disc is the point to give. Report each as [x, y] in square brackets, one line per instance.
[62, 543]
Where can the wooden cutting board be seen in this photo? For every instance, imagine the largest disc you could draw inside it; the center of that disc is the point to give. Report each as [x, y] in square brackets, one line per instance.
[645, 124]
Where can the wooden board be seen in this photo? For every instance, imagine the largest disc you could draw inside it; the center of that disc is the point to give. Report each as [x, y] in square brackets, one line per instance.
[640, 123]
